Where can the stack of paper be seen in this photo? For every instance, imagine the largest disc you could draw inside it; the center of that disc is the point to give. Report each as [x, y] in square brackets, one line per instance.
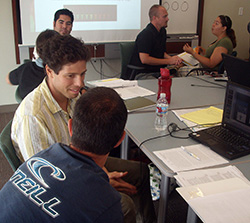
[205, 116]
[125, 88]
[199, 118]
[179, 160]
[220, 201]
[195, 177]
[193, 126]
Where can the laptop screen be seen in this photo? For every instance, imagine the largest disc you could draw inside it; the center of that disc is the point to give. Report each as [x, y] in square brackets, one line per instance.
[238, 70]
[237, 108]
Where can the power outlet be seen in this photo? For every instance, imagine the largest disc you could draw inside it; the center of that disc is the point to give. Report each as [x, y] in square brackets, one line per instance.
[240, 10]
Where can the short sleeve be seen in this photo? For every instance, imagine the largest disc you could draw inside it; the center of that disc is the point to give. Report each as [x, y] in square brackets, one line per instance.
[145, 42]
[226, 43]
[15, 75]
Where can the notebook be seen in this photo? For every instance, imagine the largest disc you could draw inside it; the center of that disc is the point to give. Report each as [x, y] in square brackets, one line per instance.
[231, 139]
[135, 104]
[238, 70]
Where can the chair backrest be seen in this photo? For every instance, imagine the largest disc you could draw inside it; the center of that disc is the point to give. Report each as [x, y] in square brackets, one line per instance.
[221, 68]
[17, 96]
[126, 51]
[8, 148]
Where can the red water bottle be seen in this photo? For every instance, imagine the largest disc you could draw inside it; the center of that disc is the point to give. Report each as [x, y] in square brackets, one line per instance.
[164, 84]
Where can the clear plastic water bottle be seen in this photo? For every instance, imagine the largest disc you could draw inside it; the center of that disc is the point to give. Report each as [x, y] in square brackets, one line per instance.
[161, 113]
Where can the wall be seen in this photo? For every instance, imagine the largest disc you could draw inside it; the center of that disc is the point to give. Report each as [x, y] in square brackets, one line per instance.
[213, 8]
[7, 52]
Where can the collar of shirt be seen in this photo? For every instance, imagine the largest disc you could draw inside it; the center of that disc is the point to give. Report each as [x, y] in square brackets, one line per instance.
[52, 104]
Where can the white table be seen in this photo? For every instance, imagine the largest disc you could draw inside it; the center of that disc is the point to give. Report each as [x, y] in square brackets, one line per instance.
[140, 125]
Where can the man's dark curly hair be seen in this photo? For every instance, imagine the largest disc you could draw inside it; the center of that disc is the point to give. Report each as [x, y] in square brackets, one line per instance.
[42, 39]
[61, 50]
[99, 119]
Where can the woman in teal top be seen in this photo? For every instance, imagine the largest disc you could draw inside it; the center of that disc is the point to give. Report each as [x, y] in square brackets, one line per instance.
[224, 43]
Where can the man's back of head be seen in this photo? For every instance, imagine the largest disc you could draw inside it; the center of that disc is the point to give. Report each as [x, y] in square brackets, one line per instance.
[99, 120]
[42, 39]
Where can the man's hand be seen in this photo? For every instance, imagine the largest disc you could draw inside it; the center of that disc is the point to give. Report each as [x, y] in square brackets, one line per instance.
[119, 184]
[175, 60]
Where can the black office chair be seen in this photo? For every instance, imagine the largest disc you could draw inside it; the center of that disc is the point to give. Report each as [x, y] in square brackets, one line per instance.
[202, 71]
[8, 148]
[128, 71]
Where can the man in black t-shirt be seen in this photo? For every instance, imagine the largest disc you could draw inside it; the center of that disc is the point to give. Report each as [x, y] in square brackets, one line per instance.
[30, 74]
[150, 44]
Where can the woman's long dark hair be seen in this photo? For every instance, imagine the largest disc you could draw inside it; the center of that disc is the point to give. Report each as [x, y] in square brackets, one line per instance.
[226, 21]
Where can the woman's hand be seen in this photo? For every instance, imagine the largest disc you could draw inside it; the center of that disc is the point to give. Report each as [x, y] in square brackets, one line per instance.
[188, 49]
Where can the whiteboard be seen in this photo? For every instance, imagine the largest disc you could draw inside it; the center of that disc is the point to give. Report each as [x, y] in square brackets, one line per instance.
[183, 16]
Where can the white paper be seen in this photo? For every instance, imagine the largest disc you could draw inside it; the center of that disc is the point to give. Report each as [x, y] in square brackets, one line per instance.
[133, 92]
[231, 207]
[193, 126]
[178, 160]
[125, 88]
[221, 201]
[196, 177]
[113, 83]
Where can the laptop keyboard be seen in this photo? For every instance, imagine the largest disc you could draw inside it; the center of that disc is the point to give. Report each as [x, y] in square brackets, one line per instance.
[237, 143]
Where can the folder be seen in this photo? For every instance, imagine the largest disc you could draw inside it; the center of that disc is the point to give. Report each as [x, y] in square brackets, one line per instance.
[138, 103]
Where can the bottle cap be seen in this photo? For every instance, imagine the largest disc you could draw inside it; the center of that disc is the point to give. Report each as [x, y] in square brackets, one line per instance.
[162, 95]
[165, 72]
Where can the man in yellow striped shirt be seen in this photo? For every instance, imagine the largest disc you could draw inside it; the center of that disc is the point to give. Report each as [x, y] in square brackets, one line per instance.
[42, 117]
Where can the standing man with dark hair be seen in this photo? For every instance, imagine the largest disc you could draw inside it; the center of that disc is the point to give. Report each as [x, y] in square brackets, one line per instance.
[42, 117]
[78, 189]
[150, 44]
[63, 21]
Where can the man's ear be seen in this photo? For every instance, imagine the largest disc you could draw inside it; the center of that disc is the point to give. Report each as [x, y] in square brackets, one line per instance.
[70, 127]
[121, 139]
[54, 24]
[49, 71]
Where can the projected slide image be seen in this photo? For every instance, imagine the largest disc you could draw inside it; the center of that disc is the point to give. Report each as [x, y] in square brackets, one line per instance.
[90, 13]
[93, 15]
[94, 20]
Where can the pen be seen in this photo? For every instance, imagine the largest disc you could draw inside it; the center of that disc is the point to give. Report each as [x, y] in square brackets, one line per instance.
[189, 153]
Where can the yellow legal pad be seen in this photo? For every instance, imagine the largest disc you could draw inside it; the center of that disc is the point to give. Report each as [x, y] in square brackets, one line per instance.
[205, 116]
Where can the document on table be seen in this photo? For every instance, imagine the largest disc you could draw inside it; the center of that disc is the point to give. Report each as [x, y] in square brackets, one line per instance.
[133, 92]
[205, 116]
[195, 177]
[125, 88]
[221, 201]
[193, 126]
[179, 160]
[112, 83]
